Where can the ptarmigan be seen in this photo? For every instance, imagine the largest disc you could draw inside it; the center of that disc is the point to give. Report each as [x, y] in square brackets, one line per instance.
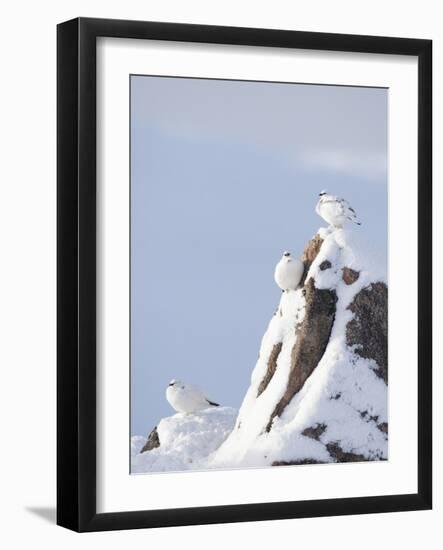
[185, 398]
[288, 272]
[335, 211]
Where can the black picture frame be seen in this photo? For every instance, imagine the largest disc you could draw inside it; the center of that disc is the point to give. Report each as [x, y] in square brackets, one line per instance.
[76, 278]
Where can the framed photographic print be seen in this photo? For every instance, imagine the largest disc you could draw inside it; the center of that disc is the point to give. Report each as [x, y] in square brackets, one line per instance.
[244, 274]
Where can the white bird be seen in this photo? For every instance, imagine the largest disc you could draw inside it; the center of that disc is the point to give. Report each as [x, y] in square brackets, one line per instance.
[288, 272]
[335, 211]
[185, 398]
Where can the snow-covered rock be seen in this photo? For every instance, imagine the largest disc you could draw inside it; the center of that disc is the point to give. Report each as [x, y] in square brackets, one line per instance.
[137, 443]
[319, 390]
[318, 393]
[184, 441]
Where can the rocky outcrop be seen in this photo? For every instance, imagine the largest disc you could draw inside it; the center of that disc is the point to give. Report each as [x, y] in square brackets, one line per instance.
[367, 332]
[349, 275]
[312, 334]
[152, 442]
[272, 365]
[314, 432]
[318, 393]
[309, 254]
[336, 453]
[339, 455]
[383, 427]
[312, 338]
[296, 462]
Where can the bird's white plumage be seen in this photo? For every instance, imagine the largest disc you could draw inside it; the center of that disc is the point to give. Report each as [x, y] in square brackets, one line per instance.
[186, 398]
[335, 211]
[288, 272]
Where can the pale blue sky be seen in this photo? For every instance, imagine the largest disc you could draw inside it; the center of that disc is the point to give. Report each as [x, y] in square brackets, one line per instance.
[224, 178]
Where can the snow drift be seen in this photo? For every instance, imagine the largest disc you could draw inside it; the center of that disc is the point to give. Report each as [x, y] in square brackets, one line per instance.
[318, 393]
[182, 441]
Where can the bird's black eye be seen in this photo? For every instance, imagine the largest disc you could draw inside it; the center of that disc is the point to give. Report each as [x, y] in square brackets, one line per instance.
[287, 254]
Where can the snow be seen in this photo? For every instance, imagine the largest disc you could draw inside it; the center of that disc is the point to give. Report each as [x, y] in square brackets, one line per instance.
[343, 396]
[137, 442]
[186, 441]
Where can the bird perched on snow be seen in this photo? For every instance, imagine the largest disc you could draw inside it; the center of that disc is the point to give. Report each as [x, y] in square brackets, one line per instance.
[185, 398]
[288, 272]
[335, 211]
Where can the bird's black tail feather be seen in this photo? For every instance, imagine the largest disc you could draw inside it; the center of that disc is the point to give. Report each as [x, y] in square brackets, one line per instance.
[212, 403]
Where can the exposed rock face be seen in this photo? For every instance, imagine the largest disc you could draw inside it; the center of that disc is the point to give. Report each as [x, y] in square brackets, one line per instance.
[335, 451]
[313, 337]
[296, 462]
[314, 432]
[309, 254]
[383, 427]
[272, 365]
[349, 276]
[339, 455]
[368, 330]
[313, 333]
[152, 442]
